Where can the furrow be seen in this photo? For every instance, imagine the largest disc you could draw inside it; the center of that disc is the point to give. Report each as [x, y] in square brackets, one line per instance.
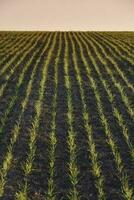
[127, 190]
[22, 193]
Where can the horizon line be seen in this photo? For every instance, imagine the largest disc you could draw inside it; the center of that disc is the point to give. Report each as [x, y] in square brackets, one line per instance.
[22, 30]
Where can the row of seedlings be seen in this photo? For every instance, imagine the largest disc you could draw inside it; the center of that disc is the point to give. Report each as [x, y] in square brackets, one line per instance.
[117, 66]
[23, 48]
[93, 154]
[126, 189]
[22, 193]
[111, 96]
[15, 48]
[14, 97]
[15, 132]
[120, 45]
[71, 139]
[116, 82]
[51, 193]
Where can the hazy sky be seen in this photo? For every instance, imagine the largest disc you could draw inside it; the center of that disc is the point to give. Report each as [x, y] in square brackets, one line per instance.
[67, 15]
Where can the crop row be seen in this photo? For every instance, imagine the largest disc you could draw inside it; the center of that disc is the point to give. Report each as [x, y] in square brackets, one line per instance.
[104, 75]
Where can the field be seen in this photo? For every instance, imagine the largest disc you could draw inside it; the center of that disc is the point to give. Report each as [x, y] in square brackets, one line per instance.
[66, 115]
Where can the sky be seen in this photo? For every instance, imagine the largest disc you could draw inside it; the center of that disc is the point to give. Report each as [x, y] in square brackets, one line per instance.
[51, 15]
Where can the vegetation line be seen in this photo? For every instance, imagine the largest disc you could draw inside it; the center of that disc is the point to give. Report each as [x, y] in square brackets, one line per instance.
[111, 97]
[15, 132]
[120, 47]
[109, 71]
[93, 154]
[80, 77]
[71, 140]
[15, 95]
[11, 72]
[24, 50]
[16, 49]
[51, 193]
[10, 43]
[22, 194]
[117, 54]
[116, 65]
[127, 190]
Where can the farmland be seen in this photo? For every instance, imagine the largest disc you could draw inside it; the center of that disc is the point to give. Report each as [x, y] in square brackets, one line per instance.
[67, 115]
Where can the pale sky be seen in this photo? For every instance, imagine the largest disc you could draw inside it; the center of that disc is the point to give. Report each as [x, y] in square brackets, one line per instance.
[67, 15]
